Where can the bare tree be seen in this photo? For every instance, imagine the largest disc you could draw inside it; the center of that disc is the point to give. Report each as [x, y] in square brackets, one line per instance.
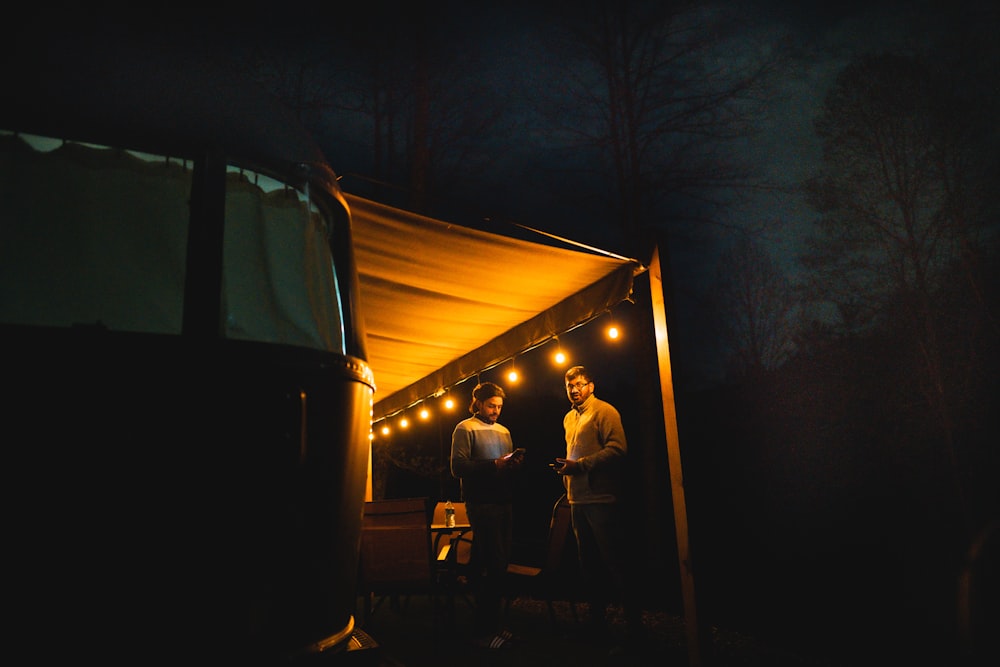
[659, 97]
[901, 192]
[355, 85]
[408, 78]
[755, 308]
[395, 89]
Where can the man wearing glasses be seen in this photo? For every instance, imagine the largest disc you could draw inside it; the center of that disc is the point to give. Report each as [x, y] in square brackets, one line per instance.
[593, 474]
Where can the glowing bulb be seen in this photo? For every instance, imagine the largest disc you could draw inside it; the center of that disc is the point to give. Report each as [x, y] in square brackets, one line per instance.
[559, 357]
[512, 376]
[424, 413]
[385, 429]
[613, 332]
[449, 403]
[404, 423]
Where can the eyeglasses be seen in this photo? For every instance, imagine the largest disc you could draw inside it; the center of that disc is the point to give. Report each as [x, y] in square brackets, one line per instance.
[578, 385]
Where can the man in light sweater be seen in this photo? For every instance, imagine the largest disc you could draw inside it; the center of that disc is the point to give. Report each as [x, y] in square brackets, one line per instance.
[593, 474]
[484, 458]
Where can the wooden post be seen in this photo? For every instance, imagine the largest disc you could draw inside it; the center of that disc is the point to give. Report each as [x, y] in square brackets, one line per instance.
[694, 636]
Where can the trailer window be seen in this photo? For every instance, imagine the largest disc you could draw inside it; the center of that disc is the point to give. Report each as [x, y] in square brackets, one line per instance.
[95, 235]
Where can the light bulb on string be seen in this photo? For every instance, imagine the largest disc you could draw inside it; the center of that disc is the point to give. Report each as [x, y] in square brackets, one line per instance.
[512, 375]
[446, 399]
[614, 333]
[560, 356]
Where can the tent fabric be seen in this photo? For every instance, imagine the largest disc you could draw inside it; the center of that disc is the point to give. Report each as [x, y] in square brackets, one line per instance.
[444, 302]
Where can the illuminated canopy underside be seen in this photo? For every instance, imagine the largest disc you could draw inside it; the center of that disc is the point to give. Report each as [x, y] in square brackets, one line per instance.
[443, 302]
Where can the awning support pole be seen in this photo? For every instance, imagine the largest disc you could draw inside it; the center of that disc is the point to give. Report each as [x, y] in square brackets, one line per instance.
[694, 637]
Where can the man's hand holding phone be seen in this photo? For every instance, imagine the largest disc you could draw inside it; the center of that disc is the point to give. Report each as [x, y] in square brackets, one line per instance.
[511, 461]
[564, 466]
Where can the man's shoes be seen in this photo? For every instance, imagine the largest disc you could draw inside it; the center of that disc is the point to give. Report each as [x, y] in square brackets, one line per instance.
[503, 639]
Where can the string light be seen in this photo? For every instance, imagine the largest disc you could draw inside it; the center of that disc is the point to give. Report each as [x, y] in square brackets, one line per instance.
[613, 332]
[512, 375]
[560, 356]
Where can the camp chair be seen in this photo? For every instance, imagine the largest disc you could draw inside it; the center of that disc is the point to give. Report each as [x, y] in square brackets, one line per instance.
[396, 560]
[542, 581]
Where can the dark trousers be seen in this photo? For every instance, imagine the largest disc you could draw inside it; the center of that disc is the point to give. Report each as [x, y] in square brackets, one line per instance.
[492, 528]
[606, 560]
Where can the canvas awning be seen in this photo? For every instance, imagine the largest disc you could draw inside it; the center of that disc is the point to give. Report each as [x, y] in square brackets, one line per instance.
[444, 302]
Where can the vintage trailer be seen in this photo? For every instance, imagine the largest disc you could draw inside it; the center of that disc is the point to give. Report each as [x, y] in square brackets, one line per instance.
[187, 401]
